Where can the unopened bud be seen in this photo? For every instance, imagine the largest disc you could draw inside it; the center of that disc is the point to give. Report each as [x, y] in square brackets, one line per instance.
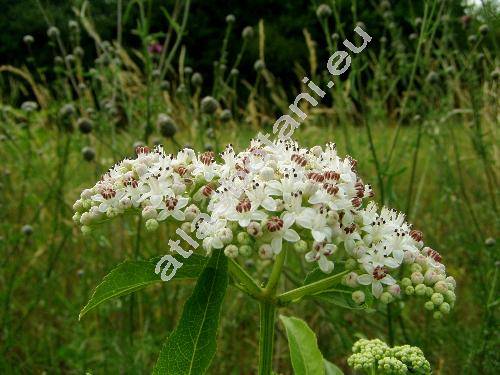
[358, 297]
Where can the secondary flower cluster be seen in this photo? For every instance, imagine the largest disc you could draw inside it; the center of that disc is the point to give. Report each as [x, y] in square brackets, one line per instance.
[375, 356]
[268, 198]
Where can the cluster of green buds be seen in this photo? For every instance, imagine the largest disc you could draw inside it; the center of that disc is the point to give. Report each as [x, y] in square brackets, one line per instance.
[376, 357]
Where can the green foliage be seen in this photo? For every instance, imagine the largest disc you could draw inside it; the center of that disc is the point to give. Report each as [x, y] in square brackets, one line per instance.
[304, 352]
[338, 295]
[331, 369]
[191, 346]
[131, 276]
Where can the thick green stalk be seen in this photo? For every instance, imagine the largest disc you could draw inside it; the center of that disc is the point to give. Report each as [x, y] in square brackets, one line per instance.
[275, 274]
[312, 288]
[242, 277]
[266, 337]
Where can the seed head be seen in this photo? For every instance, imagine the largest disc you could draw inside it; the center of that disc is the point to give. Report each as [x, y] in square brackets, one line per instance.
[247, 32]
[484, 29]
[29, 106]
[259, 65]
[197, 79]
[85, 125]
[27, 230]
[67, 110]
[166, 125]
[88, 153]
[209, 105]
[53, 32]
[323, 11]
[226, 115]
[28, 39]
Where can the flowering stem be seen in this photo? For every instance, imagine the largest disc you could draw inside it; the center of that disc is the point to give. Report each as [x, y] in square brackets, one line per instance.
[275, 274]
[244, 278]
[266, 337]
[312, 288]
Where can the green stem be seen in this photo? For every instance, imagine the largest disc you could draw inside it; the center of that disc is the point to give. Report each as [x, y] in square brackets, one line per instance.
[241, 276]
[312, 288]
[266, 337]
[275, 273]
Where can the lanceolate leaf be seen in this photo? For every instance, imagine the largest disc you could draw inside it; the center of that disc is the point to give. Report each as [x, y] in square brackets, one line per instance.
[131, 276]
[191, 346]
[331, 369]
[304, 352]
[339, 294]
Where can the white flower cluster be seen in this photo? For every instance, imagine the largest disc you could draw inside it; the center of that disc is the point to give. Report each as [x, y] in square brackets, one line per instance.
[375, 356]
[268, 197]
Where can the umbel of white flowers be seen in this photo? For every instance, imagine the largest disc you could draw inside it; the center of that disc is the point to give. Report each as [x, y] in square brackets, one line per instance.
[265, 200]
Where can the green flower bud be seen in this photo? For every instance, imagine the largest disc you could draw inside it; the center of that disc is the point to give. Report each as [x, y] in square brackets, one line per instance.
[245, 250]
[450, 296]
[230, 18]
[451, 282]
[417, 277]
[441, 287]
[300, 246]
[406, 282]
[244, 238]
[429, 305]
[437, 299]
[151, 225]
[358, 297]
[351, 279]
[429, 291]
[386, 298]
[409, 290]
[420, 290]
[445, 308]
[231, 251]
[437, 315]
[86, 230]
[351, 264]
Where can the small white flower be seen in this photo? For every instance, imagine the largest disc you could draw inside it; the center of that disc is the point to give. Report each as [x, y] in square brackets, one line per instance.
[319, 253]
[315, 221]
[280, 229]
[376, 276]
[172, 206]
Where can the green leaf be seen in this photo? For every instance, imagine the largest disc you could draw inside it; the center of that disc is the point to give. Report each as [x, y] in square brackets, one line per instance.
[131, 276]
[331, 369]
[339, 295]
[304, 351]
[316, 274]
[191, 346]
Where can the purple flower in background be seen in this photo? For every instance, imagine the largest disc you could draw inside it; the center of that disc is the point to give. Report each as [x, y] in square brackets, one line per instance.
[154, 48]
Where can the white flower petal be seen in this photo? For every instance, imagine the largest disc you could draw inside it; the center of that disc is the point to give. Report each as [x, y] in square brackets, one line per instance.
[365, 279]
[377, 288]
